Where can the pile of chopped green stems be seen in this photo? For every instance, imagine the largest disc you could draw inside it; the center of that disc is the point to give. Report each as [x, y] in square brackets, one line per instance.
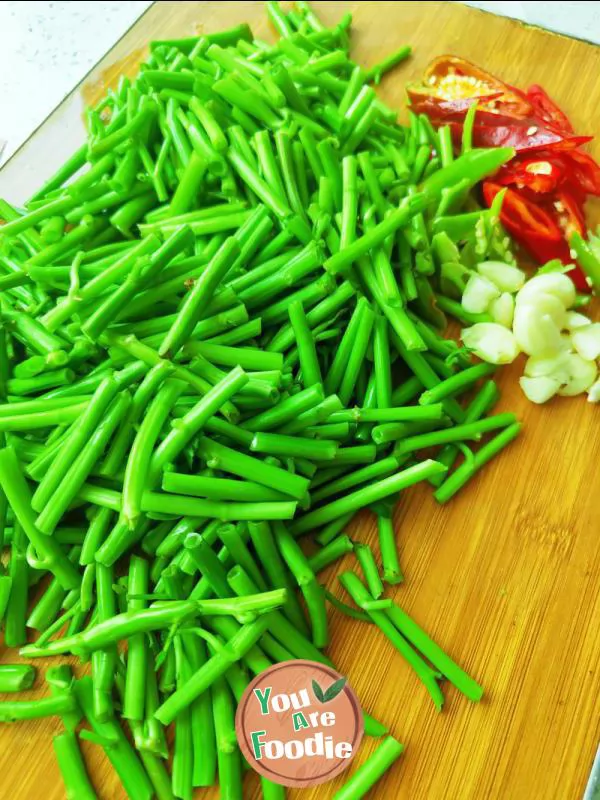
[222, 338]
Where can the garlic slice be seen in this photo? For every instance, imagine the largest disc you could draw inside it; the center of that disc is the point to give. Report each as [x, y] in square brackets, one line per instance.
[554, 366]
[581, 375]
[594, 393]
[502, 309]
[539, 390]
[491, 342]
[544, 303]
[554, 283]
[575, 320]
[478, 294]
[587, 341]
[536, 334]
[506, 277]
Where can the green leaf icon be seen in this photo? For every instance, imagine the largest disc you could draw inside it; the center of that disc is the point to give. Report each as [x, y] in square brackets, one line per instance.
[331, 693]
[318, 692]
[334, 689]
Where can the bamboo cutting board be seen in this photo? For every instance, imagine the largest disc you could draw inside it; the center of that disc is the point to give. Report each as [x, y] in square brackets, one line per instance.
[507, 576]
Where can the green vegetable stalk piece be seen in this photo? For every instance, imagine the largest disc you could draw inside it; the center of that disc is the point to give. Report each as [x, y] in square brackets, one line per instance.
[82, 466]
[228, 460]
[183, 753]
[380, 469]
[294, 446]
[587, 258]
[62, 683]
[465, 472]
[269, 556]
[104, 661]
[228, 753]
[361, 597]
[194, 420]
[79, 434]
[301, 647]
[36, 709]
[307, 352]
[333, 551]
[214, 668]
[157, 503]
[366, 559]
[15, 589]
[472, 430]
[199, 298]
[72, 767]
[137, 649]
[157, 617]
[371, 771]
[455, 384]
[116, 746]
[367, 495]
[419, 639]
[16, 677]
[309, 586]
[49, 552]
[483, 402]
[138, 462]
[378, 70]
[388, 547]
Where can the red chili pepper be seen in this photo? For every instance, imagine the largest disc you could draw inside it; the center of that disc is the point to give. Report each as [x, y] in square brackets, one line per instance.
[450, 78]
[568, 212]
[538, 229]
[498, 130]
[525, 220]
[538, 174]
[438, 108]
[582, 170]
[546, 109]
[505, 117]
[549, 178]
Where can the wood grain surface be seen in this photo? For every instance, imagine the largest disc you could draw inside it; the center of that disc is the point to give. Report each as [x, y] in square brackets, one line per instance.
[506, 577]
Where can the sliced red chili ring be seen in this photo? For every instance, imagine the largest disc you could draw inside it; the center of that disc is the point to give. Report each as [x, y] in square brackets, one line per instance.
[521, 217]
[584, 170]
[541, 175]
[536, 228]
[545, 108]
[568, 212]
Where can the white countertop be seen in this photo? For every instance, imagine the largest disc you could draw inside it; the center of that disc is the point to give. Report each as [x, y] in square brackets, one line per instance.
[46, 48]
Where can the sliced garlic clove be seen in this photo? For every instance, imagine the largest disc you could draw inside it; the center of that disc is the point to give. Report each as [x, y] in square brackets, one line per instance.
[491, 342]
[587, 341]
[554, 283]
[478, 294]
[502, 309]
[548, 367]
[575, 320]
[594, 393]
[548, 304]
[506, 277]
[566, 343]
[539, 390]
[581, 375]
[536, 334]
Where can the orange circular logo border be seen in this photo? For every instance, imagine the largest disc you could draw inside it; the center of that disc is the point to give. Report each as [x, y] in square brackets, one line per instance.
[260, 766]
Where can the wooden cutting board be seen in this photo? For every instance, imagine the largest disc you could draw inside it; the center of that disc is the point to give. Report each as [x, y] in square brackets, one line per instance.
[507, 576]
